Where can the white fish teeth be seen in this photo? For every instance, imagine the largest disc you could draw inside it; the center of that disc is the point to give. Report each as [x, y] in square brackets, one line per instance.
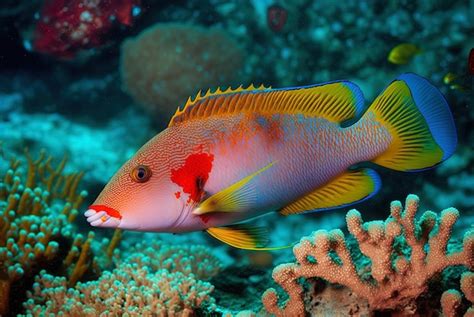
[97, 216]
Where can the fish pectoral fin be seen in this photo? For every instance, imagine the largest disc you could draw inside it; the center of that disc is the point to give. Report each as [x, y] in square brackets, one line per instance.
[346, 189]
[244, 236]
[234, 198]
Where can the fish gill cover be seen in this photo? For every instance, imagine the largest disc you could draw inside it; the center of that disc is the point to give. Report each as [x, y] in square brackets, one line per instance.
[85, 83]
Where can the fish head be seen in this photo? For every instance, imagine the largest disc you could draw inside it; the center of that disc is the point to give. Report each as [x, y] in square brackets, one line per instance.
[140, 196]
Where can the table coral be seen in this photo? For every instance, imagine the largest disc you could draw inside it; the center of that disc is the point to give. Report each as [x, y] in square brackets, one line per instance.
[396, 280]
[129, 289]
[37, 207]
[167, 63]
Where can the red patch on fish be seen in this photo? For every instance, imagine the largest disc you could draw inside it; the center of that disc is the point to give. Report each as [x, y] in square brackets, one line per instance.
[471, 61]
[194, 173]
[177, 194]
[110, 211]
[205, 218]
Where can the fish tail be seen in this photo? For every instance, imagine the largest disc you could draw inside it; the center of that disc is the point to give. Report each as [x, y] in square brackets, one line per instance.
[419, 121]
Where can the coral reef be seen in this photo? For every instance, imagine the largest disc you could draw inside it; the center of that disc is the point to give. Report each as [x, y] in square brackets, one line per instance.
[167, 63]
[37, 208]
[150, 279]
[129, 289]
[451, 300]
[90, 148]
[393, 281]
[187, 259]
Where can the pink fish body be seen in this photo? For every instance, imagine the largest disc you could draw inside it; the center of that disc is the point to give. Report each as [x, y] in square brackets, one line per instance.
[231, 156]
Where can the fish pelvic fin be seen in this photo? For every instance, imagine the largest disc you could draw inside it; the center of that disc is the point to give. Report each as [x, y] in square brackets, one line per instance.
[346, 189]
[244, 236]
[335, 101]
[419, 121]
[237, 197]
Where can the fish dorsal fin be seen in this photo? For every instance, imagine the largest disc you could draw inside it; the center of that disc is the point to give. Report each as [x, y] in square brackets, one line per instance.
[346, 189]
[335, 101]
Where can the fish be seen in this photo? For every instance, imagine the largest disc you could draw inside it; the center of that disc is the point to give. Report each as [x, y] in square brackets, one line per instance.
[457, 82]
[403, 53]
[66, 27]
[230, 156]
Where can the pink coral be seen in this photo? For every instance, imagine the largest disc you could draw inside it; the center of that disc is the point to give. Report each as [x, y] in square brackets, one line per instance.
[167, 63]
[393, 284]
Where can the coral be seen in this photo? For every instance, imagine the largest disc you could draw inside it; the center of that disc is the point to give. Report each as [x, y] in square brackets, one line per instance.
[129, 290]
[167, 63]
[37, 208]
[396, 280]
[187, 259]
[104, 156]
[451, 300]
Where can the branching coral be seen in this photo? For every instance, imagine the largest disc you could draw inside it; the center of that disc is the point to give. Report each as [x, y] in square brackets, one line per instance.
[37, 207]
[128, 290]
[167, 63]
[452, 299]
[396, 280]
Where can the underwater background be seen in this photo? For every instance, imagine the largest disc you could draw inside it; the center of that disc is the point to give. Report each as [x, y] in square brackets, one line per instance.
[85, 83]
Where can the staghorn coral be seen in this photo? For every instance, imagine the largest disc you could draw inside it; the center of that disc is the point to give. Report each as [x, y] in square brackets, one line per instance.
[396, 280]
[167, 63]
[129, 289]
[37, 207]
[451, 300]
[187, 259]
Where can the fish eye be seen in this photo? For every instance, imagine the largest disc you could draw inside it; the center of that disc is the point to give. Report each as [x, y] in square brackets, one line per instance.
[140, 174]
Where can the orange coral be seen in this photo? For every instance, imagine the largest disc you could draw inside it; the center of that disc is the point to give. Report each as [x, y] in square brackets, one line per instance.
[393, 285]
[167, 63]
[452, 299]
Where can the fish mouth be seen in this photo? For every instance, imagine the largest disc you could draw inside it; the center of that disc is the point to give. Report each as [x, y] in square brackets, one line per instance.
[103, 216]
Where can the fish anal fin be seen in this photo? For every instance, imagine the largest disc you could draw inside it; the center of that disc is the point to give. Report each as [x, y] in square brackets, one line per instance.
[237, 197]
[347, 189]
[335, 101]
[244, 236]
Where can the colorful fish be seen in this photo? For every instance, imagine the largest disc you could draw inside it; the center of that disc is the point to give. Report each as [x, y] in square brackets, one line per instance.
[233, 155]
[68, 26]
[403, 53]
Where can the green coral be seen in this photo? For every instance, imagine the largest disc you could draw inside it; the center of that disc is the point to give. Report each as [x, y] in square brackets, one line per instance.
[37, 206]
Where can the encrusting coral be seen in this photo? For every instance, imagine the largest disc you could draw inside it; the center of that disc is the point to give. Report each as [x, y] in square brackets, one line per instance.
[396, 280]
[37, 208]
[155, 279]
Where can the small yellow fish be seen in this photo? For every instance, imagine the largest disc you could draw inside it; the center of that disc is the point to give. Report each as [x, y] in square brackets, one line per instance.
[449, 78]
[403, 53]
[457, 82]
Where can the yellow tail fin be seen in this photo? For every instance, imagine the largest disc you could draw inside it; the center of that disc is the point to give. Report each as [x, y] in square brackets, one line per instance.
[419, 121]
